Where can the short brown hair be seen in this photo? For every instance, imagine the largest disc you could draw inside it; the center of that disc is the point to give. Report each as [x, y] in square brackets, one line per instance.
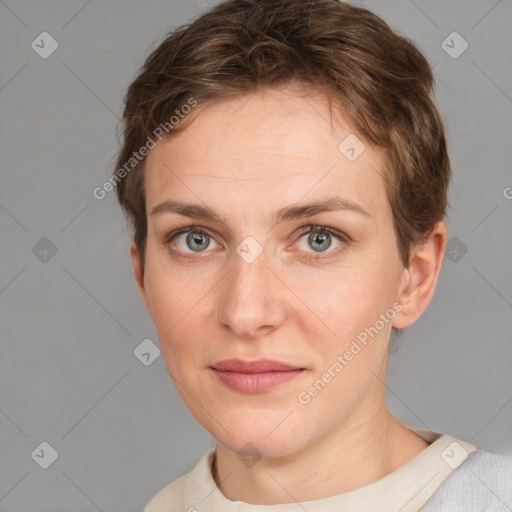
[380, 79]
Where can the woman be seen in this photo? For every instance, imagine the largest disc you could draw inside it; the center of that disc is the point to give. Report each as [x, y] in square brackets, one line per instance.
[285, 172]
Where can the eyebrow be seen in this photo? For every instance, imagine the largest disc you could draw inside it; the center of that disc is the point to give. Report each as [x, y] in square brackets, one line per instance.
[287, 213]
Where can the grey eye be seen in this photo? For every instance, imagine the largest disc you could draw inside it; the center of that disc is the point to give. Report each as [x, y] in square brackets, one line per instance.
[319, 241]
[197, 241]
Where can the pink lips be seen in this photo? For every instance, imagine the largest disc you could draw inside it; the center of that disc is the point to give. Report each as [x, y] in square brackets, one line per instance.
[254, 376]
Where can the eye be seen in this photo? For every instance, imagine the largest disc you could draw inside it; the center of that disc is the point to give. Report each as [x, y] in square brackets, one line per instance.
[190, 240]
[320, 239]
[195, 239]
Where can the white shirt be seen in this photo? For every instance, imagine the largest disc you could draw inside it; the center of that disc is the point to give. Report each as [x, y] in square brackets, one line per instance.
[449, 474]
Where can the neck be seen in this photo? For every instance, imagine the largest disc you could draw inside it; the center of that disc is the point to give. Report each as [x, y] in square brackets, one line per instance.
[358, 453]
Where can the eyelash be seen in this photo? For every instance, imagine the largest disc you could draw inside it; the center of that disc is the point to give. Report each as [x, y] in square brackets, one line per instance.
[312, 228]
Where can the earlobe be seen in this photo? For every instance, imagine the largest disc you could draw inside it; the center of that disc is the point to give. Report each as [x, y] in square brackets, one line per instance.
[138, 273]
[423, 272]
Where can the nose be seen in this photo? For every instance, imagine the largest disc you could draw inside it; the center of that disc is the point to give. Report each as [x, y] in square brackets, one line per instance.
[251, 301]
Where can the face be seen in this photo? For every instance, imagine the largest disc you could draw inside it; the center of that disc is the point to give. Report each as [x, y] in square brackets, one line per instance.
[253, 283]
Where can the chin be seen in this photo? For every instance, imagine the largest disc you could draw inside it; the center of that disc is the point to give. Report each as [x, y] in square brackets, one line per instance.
[248, 446]
[267, 439]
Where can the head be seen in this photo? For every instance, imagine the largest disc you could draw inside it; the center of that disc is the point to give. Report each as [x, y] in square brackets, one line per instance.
[251, 112]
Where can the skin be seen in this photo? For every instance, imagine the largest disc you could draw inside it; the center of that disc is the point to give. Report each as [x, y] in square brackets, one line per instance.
[244, 158]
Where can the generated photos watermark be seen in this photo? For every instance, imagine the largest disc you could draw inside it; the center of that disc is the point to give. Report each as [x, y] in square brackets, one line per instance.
[342, 360]
[137, 156]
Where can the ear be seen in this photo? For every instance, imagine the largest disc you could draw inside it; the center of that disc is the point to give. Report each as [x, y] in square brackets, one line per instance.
[138, 273]
[420, 277]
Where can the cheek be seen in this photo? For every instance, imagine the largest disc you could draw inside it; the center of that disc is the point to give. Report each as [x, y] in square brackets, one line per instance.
[175, 305]
[349, 302]
[172, 289]
[347, 298]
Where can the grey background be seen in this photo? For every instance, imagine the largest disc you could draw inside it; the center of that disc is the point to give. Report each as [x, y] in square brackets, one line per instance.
[70, 325]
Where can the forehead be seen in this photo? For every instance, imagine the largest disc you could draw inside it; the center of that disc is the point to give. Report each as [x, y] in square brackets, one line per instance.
[273, 144]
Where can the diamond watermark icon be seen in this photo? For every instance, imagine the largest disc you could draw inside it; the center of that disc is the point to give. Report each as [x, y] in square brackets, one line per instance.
[45, 455]
[249, 455]
[44, 250]
[454, 45]
[351, 147]
[454, 454]
[455, 249]
[44, 45]
[146, 352]
[249, 249]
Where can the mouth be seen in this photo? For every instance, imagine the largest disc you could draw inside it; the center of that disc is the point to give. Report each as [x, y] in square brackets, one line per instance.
[255, 376]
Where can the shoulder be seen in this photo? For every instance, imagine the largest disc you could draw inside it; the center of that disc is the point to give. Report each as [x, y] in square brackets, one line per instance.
[172, 497]
[168, 499]
[482, 482]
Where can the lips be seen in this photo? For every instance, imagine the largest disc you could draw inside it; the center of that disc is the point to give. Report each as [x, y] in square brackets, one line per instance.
[255, 376]
[259, 366]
